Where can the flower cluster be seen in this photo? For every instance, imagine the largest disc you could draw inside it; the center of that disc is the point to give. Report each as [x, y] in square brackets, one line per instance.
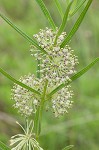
[61, 101]
[25, 100]
[25, 141]
[59, 63]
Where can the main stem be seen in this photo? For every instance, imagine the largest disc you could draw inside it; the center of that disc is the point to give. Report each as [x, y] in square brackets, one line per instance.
[38, 117]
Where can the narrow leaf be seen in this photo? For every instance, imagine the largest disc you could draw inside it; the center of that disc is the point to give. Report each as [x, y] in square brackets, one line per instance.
[68, 147]
[3, 146]
[59, 8]
[29, 39]
[75, 2]
[46, 13]
[18, 82]
[73, 78]
[76, 25]
[63, 22]
[77, 8]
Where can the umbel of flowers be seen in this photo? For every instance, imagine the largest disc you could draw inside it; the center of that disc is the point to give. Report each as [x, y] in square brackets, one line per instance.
[60, 63]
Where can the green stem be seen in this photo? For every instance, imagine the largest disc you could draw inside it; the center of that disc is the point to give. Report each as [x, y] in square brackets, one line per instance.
[38, 69]
[38, 117]
[43, 99]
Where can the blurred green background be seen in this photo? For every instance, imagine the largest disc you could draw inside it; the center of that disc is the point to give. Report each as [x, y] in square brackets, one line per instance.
[80, 126]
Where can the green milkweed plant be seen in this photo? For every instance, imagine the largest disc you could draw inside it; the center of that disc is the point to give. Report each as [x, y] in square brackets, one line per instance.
[56, 62]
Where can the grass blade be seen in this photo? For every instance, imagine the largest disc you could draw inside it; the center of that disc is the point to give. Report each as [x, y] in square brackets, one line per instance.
[59, 8]
[18, 82]
[3, 146]
[76, 25]
[62, 26]
[46, 13]
[29, 39]
[68, 147]
[73, 78]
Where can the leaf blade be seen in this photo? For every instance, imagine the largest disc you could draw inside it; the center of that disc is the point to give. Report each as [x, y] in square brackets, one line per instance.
[46, 13]
[18, 82]
[29, 39]
[74, 77]
[76, 25]
[64, 21]
[77, 8]
[59, 8]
